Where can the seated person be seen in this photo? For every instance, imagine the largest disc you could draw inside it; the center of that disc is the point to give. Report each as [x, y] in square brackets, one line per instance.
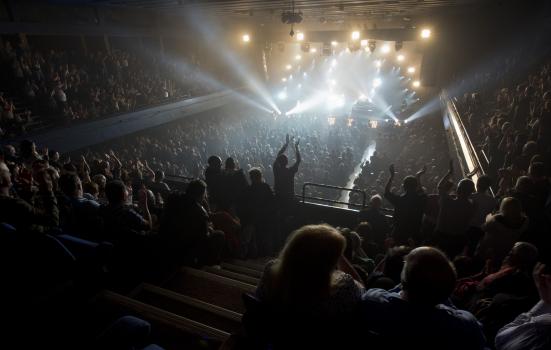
[530, 330]
[306, 286]
[416, 317]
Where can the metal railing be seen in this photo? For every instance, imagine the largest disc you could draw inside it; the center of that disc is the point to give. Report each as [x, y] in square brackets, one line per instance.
[304, 197]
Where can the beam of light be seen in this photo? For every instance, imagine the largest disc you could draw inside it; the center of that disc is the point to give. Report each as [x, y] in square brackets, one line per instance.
[428, 108]
[315, 100]
[385, 48]
[355, 35]
[282, 95]
[210, 33]
[377, 82]
[246, 38]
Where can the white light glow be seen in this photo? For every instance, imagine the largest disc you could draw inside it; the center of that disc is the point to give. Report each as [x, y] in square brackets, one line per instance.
[378, 63]
[400, 58]
[416, 84]
[377, 82]
[246, 38]
[331, 120]
[300, 36]
[298, 57]
[282, 95]
[283, 79]
[362, 97]
[385, 48]
[355, 35]
[288, 67]
[425, 33]
[411, 70]
[333, 62]
[334, 43]
[313, 50]
[363, 42]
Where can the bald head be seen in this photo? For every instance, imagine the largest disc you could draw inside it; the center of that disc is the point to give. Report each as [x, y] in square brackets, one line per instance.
[428, 277]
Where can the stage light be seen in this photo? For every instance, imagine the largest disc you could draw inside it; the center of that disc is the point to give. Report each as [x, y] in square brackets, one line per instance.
[288, 67]
[377, 82]
[385, 48]
[334, 43]
[350, 120]
[331, 120]
[313, 50]
[355, 35]
[246, 38]
[298, 57]
[400, 58]
[291, 77]
[363, 43]
[304, 74]
[378, 63]
[283, 79]
[425, 33]
[411, 70]
[362, 97]
[333, 62]
[300, 36]
[416, 84]
[282, 95]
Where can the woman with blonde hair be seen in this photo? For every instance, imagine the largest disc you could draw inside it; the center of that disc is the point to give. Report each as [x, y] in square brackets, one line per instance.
[311, 275]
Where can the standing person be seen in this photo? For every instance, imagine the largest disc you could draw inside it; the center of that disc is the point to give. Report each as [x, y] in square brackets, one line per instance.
[408, 208]
[213, 178]
[284, 187]
[258, 216]
[454, 215]
[284, 177]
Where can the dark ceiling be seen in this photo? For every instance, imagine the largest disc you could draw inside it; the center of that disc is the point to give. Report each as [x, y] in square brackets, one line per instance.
[317, 10]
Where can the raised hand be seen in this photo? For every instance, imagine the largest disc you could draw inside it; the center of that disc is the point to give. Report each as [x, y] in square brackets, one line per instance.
[422, 171]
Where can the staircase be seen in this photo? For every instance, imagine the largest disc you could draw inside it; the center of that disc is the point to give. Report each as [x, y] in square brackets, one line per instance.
[193, 309]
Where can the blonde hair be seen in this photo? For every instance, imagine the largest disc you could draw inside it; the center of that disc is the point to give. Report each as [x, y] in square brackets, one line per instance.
[303, 271]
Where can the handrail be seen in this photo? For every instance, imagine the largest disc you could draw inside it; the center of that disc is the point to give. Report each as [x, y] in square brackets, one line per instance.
[469, 152]
[333, 201]
[467, 148]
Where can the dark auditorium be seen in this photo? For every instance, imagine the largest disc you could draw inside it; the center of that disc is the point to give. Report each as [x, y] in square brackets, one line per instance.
[275, 174]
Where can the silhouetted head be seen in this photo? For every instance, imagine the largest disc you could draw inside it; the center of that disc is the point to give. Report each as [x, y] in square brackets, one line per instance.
[428, 277]
[116, 192]
[215, 162]
[511, 208]
[410, 183]
[376, 201]
[282, 160]
[256, 175]
[483, 183]
[196, 190]
[523, 255]
[465, 188]
[230, 163]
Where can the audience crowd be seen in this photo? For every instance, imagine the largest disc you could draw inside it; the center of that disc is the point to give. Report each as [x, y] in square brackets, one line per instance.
[59, 87]
[461, 264]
